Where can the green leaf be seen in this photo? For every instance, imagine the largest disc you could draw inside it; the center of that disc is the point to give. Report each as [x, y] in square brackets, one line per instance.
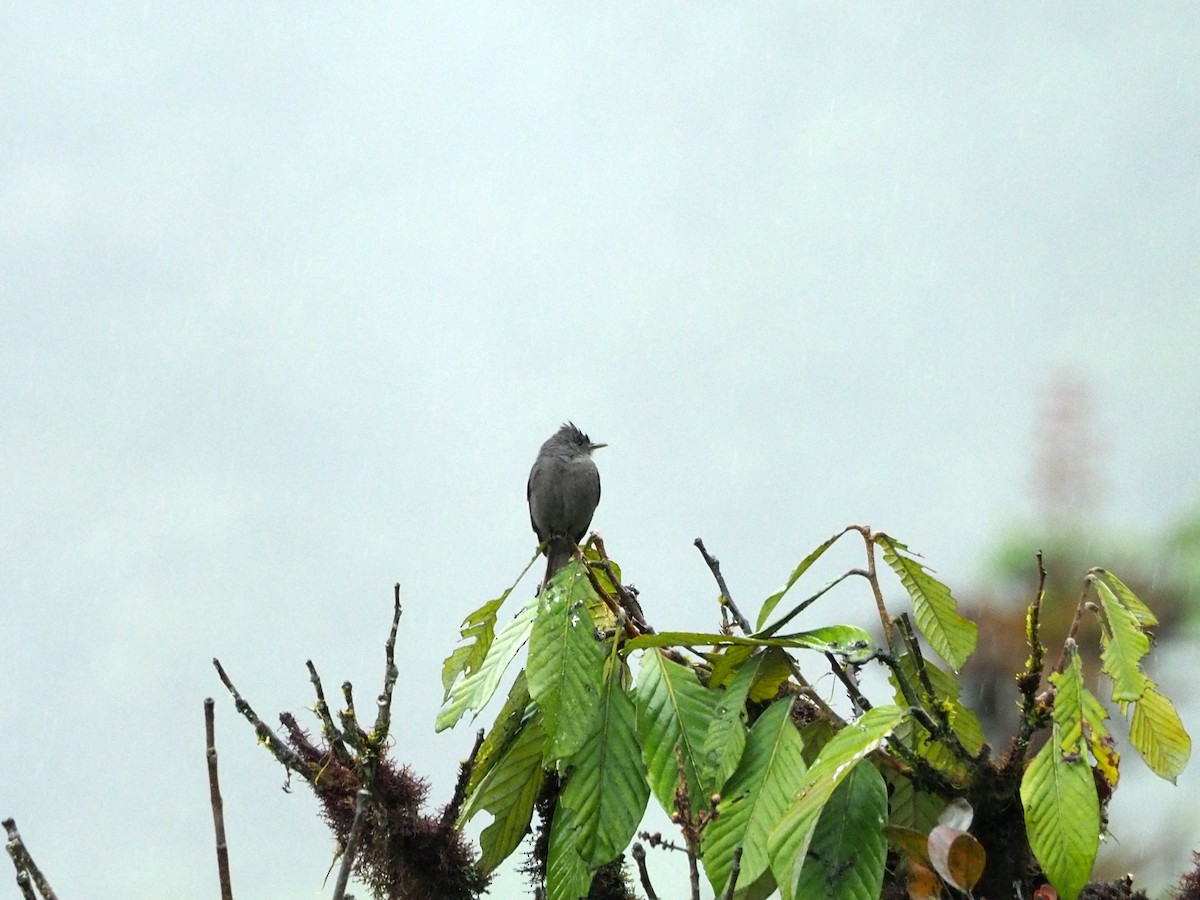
[568, 876]
[754, 799]
[1062, 815]
[771, 602]
[936, 611]
[1125, 644]
[565, 665]
[509, 720]
[607, 789]
[1140, 610]
[789, 840]
[478, 630]
[1158, 734]
[910, 807]
[474, 691]
[1068, 705]
[848, 849]
[775, 670]
[673, 708]
[508, 792]
[727, 663]
[1104, 752]
[727, 729]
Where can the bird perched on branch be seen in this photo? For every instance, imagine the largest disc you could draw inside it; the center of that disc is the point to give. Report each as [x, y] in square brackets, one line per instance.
[563, 492]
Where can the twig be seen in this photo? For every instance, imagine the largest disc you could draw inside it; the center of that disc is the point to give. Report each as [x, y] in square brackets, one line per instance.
[1062, 657]
[383, 716]
[627, 598]
[860, 702]
[639, 856]
[627, 623]
[803, 688]
[214, 796]
[26, 885]
[351, 850]
[733, 874]
[370, 748]
[714, 566]
[27, 870]
[1033, 712]
[945, 733]
[916, 762]
[656, 840]
[355, 736]
[683, 817]
[332, 733]
[873, 578]
[450, 813]
[281, 751]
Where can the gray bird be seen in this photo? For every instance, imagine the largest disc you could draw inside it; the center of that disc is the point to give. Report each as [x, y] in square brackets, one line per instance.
[563, 492]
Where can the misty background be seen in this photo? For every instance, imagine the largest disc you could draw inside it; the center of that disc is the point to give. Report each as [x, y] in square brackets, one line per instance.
[291, 294]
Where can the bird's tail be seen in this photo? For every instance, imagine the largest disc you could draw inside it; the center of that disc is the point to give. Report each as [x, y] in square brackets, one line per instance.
[559, 552]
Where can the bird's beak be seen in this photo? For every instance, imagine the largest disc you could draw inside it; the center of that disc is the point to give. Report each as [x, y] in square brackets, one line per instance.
[592, 446]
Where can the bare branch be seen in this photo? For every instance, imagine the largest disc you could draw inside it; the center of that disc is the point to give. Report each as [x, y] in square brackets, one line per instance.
[333, 734]
[454, 807]
[361, 801]
[281, 751]
[1079, 608]
[626, 597]
[639, 856]
[214, 796]
[714, 566]
[27, 871]
[873, 578]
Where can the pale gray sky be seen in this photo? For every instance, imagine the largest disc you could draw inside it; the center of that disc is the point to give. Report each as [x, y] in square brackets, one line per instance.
[290, 297]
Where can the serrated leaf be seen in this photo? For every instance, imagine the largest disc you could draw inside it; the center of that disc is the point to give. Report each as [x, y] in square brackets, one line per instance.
[607, 788]
[935, 609]
[909, 807]
[1068, 705]
[568, 876]
[566, 662]
[789, 840]
[775, 670]
[1062, 815]
[1140, 610]
[726, 736]
[1125, 644]
[673, 708]
[474, 691]
[771, 602]
[754, 798]
[509, 792]
[602, 615]
[1099, 739]
[848, 848]
[478, 630]
[508, 721]
[727, 662]
[1157, 733]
